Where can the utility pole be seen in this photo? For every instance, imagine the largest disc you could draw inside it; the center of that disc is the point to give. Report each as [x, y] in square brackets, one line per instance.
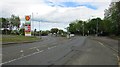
[33, 23]
[83, 28]
[39, 29]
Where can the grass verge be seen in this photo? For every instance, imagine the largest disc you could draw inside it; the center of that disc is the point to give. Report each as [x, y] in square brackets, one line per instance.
[115, 37]
[17, 38]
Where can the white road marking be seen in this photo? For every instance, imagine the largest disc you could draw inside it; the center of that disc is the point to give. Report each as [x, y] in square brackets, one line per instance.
[49, 48]
[37, 49]
[117, 59]
[33, 48]
[21, 57]
[41, 51]
[53, 46]
[21, 51]
[101, 44]
[107, 46]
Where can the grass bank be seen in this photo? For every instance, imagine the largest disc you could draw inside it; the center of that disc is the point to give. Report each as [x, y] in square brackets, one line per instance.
[17, 38]
[115, 37]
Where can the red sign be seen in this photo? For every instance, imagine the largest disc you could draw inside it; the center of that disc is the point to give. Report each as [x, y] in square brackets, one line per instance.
[27, 18]
[27, 25]
[28, 28]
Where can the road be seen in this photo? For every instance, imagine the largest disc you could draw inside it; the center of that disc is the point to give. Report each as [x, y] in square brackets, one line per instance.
[52, 50]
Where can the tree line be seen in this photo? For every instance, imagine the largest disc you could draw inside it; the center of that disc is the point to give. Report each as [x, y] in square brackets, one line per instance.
[110, 25]
[10, 25]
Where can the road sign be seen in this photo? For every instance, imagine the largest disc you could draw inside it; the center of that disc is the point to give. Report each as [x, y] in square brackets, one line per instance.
[27, 25]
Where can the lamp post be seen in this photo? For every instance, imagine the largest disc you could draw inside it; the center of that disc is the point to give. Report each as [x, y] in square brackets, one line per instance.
[33, 23]
[39, 30]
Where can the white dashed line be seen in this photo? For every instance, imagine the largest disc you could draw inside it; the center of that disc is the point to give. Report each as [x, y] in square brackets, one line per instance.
[51, 47]
[101, 44]
[21, 57]
[27, 55]
[21, 51]
[41, 51]
[38, 50]
[33, 48]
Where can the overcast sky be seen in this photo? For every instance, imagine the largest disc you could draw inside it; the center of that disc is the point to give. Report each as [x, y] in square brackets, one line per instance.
[54, 13]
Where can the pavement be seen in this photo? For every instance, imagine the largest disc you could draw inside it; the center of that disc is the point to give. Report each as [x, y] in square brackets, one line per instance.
[50, 50]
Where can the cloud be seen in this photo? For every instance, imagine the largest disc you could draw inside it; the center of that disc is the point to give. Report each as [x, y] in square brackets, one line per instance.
[67, 14]
[54, 11]
[81, 0]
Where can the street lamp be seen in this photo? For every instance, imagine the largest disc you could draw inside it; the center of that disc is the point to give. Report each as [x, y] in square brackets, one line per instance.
[39, 29]
[33, 23]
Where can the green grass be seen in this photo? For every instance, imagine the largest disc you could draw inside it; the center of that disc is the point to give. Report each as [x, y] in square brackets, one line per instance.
[17, 38]
[115, 37]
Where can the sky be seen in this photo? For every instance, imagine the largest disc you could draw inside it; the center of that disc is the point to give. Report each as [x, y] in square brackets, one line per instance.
[47, 14]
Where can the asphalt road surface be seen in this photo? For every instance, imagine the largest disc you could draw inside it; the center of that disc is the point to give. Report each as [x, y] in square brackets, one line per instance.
[52, 50]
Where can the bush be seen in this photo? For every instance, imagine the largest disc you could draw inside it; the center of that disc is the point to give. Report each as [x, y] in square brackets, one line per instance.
[21, 31]
[15, 32]
[6, 31]
[44, 33]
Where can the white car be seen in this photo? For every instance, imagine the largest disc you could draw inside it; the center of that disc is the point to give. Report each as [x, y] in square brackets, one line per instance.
[72, 35]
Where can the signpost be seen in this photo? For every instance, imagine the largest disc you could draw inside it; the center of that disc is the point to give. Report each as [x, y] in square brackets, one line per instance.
[27, 25]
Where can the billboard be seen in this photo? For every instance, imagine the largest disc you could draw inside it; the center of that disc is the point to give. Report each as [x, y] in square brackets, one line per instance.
[28, 25]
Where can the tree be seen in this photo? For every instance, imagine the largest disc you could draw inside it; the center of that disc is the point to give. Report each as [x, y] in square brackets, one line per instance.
[86, 27]
[113, 15]
[60, 32]
[14, 21]
[72, 27]
[35, 31]
[107, 27]
[54, 30]
[22, 31]
[4, 23]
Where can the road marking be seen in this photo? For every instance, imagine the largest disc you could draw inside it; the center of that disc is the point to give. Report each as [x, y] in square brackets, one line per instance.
[53, 46]
[109, 47]
[21, 51]
[41, 51]
[37, 49]
[33, 47]
[101, 44]
[117, 59]
[49, 48]
[21, 57]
